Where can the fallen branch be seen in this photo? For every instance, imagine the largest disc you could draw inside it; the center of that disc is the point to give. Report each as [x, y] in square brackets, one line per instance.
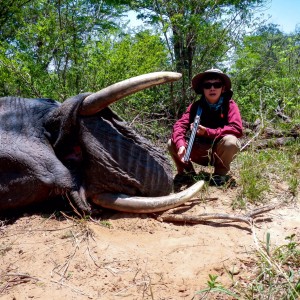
[17, 278]
[196, 219]
[279, 112]
[274, 143]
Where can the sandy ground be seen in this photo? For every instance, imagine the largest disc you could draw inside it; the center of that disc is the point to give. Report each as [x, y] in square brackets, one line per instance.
[127, 256]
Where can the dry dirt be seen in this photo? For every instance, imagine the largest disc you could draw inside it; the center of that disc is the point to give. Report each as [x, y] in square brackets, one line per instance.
[126, 256]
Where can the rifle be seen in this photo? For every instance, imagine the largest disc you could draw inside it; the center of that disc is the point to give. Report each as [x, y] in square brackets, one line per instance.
[193, 134]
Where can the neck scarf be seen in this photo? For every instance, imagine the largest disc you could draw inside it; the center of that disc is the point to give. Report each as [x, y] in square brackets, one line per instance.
[215, 106]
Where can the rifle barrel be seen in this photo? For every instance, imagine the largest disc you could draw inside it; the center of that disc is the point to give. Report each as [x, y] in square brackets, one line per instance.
[192, 137]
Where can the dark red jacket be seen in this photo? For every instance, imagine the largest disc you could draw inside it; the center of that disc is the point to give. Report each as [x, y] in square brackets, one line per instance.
[224, 121]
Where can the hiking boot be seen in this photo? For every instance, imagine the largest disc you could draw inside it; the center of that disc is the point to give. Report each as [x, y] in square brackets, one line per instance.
[204, 176]
[221, 180]
[184, 177]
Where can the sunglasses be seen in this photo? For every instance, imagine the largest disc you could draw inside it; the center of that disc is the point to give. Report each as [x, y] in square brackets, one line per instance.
[209, 85]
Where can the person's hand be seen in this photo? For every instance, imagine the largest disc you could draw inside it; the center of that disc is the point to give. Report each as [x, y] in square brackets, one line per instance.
[200, 131]
[181, 152]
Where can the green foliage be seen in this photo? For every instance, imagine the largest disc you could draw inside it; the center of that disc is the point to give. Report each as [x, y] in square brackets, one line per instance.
[199, 34]
[49, 50]
[273, 275]
[253, 178]
[266, 74]
[10, 15]
[62, 49]
[289, 253]
[130, 56]
[259, 170]
[278, 274]
[59, 49]
[105, 223]
[217, 288]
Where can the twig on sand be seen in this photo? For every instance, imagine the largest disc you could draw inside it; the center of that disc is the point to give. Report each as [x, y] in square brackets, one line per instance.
[18, 278]
[196, 219]
[74, 289]
[15, 279]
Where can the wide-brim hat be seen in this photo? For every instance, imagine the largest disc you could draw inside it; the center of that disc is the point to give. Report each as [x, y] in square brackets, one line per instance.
[198, 79]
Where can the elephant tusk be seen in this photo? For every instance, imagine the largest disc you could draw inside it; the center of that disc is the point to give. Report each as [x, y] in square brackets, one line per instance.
[101, 99]
[131, 204]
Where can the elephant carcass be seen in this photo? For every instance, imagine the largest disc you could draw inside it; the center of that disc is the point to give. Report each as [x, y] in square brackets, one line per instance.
[83, 149]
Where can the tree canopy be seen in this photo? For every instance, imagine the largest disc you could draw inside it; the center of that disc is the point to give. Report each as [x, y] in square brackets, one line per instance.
[58, 48]
[266, 73]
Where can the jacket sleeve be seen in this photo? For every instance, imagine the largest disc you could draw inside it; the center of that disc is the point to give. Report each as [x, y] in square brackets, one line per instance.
[180, 129]
[234, 125]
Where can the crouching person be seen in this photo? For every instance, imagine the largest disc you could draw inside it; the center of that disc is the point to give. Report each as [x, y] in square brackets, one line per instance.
[217, 137]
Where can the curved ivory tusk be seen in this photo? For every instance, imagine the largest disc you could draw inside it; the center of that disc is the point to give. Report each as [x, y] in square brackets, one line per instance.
[99, 100]
[121, 202]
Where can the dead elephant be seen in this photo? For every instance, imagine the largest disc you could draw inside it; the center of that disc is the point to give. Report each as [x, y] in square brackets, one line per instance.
[83, 149]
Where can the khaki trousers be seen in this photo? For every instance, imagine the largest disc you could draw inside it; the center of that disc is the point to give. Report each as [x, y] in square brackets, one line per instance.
[219, 154]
